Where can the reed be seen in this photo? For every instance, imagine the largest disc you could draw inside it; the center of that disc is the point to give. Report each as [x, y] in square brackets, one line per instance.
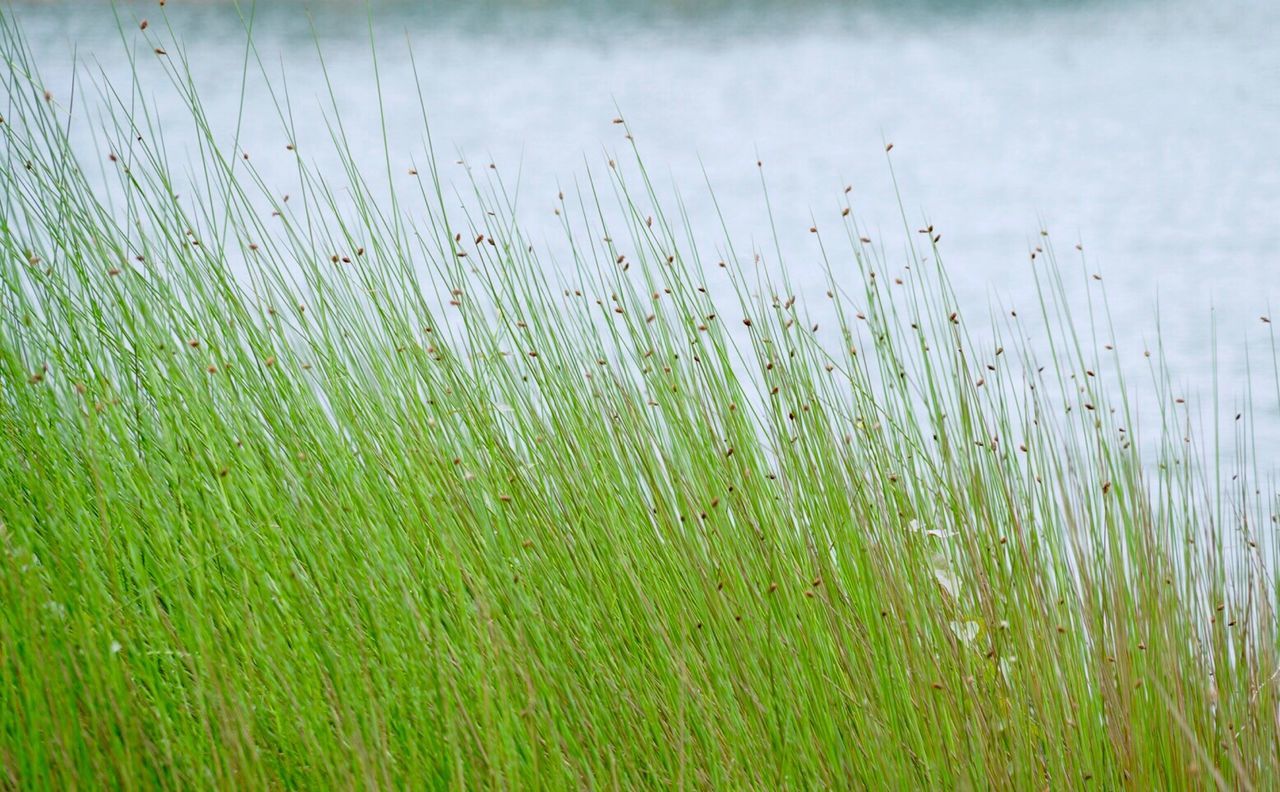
[363, 489]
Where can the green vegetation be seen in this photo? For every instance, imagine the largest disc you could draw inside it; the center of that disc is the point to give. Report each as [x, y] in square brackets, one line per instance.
[361, 490]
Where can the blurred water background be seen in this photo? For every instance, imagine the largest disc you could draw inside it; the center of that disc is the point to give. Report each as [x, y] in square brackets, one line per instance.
[1148, 131]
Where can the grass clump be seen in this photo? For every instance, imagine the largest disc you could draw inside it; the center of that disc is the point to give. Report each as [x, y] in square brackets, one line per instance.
[361, 490]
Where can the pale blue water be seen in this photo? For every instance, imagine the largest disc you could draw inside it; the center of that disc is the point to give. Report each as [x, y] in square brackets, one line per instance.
[1148, 130]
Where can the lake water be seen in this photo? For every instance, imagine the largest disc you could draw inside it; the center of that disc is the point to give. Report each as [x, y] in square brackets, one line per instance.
[1147, 130]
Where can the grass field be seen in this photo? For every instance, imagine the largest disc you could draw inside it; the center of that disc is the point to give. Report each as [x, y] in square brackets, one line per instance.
[361, 490]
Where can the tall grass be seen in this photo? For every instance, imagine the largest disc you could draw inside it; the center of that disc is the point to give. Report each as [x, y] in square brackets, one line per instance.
[361, 490]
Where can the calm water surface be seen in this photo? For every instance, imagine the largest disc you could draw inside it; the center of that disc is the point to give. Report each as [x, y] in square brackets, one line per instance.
[1147, 130]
